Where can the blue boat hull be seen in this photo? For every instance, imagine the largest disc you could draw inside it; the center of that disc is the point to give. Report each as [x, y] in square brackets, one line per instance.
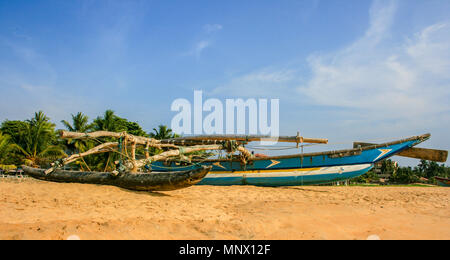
[288, 177]
[233, 172]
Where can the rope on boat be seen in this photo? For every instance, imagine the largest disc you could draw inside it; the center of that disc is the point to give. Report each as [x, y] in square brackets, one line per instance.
[178, 167]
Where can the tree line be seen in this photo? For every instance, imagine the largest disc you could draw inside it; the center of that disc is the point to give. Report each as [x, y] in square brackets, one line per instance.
[36, 142]
[424, 172]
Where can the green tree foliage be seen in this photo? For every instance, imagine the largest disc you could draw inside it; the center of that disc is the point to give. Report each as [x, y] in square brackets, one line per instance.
[163, 132]
[429, 169]
[6, 147]
[108, 122]
[132, 127]
[388, 167]
[35, 139]
[16, 130]
[111, 122]
[404, 175]
[425, 169]
[366, 178]
[80, 123]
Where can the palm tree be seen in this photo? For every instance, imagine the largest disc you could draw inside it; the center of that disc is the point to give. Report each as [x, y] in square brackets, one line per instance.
[109, 122]
[5, 147]
[38, 140]
[80, 123]
[163, 132]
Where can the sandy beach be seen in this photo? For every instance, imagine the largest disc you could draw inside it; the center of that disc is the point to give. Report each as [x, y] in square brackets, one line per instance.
[32, 209]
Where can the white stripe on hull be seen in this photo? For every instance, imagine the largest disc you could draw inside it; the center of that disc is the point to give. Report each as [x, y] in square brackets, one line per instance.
[294, 172]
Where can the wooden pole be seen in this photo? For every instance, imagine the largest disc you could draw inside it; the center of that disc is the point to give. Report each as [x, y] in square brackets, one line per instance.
[103, 148]
[415, 152]
[86, 164]
[133, 157]
[137, 139]
[107, 162]
[425, 153]
[147, 153]
[171, 153]
[245, 138]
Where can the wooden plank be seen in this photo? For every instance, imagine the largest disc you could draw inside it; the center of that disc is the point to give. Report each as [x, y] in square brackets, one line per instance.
[415, 152]
[426, 154]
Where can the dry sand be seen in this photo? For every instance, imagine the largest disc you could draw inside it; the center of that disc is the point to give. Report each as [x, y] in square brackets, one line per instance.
[32, 209]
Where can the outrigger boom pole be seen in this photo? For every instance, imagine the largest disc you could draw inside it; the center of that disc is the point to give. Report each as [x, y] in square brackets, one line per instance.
[244, 138]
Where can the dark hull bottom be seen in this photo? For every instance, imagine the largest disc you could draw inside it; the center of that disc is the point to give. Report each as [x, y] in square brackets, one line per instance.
[155, 181]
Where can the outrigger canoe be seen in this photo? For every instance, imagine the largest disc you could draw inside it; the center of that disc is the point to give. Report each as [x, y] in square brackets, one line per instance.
[154, 181]
[298, 169]
[444, 182]
[178, 165]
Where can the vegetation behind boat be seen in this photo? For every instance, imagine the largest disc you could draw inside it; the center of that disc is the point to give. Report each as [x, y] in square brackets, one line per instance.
[389, 172]
[36, 142]
[444, 182]
[15, 147]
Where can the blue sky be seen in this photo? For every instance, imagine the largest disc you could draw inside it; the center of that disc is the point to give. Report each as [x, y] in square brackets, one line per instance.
[344, 70]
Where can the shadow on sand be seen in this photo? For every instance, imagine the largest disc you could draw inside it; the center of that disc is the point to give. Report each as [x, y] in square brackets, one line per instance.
[303, 189]
[149, 193]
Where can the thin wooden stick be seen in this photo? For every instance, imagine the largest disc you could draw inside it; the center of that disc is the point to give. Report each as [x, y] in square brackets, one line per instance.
[86, 164]
[106, 147]
[106, 166]
[167, 154]
[133, 157]
[147, 153]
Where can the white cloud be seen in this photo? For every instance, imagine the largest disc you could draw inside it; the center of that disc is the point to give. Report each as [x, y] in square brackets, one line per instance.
[382, 80]
[262, 83]
[380, 85]
[199, 48]
[201, 45]
[210, 28]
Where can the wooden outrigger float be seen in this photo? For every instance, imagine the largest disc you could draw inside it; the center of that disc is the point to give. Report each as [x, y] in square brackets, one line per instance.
[155, 181]
[180, 164]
